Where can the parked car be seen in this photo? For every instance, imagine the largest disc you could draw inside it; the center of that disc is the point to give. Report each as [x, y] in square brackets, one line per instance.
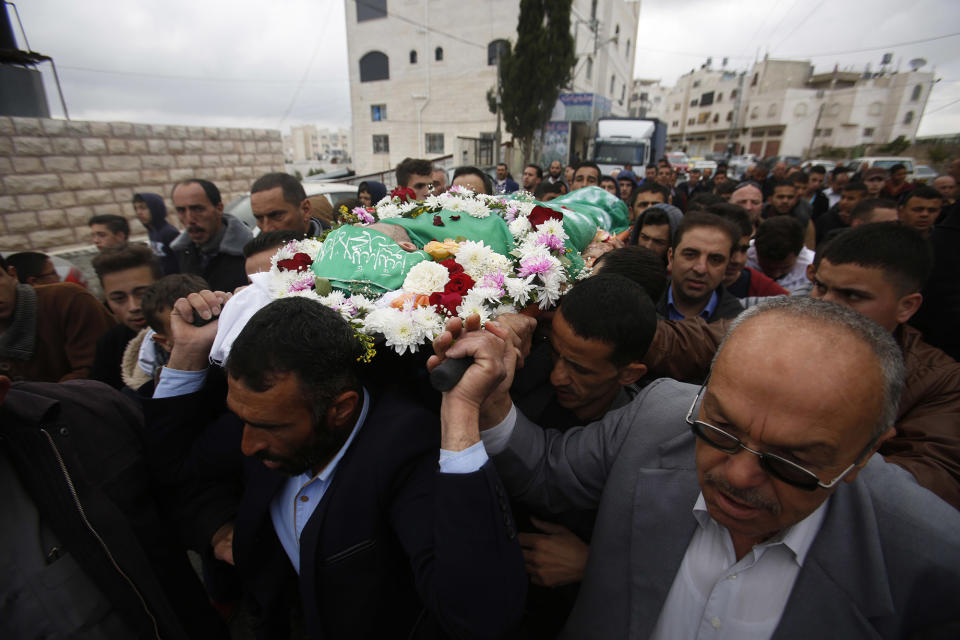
[678, 160]
[857, 165]
[923, 174]
[701, 163]
[829, 165]
[331, 192]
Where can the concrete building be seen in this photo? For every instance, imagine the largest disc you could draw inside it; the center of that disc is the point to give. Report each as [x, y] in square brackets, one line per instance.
[307, 143]
[420, 72]
[780, 107]
[648, 99]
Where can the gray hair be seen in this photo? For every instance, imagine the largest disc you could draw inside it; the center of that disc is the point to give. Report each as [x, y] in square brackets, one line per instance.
[878, 339]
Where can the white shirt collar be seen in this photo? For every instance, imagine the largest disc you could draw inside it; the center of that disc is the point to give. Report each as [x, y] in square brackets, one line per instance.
[798, 538]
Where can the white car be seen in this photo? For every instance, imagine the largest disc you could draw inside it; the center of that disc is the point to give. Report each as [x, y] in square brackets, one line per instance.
[829, 165]
[332, 192]
[924, 174]
[882, 162]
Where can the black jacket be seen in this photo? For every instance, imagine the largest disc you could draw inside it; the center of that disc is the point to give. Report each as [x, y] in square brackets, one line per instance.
[109, 355]
[394, 549]
[76, 448]
[728, 305]
[224, 271]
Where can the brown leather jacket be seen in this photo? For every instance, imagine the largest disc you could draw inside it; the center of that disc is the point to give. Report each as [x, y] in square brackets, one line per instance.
[927, 442]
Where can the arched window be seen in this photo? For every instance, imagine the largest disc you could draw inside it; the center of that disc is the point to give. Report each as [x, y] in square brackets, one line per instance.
[772, 110]
[438, 54]
[374, 66]
[917, 92]
[495, 49]
[613, 83]
[413, 56]
[627, 52]
[908, 119]
[589, 67]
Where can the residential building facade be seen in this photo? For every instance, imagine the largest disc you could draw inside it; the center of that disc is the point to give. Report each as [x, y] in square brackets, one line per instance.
[780, 107]
[420, 72]
[307, 142]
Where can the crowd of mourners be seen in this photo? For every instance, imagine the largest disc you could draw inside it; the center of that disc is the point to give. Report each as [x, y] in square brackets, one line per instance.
[759, 370]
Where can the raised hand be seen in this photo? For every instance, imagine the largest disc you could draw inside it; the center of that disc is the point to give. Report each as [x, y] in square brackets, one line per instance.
[192, 343]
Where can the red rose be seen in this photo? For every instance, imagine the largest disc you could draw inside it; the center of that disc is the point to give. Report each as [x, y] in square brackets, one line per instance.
[438, 221]
[446, 302]
[539, 215]
[404, 193]
[299, 262]
[459, 283]
[452, 265]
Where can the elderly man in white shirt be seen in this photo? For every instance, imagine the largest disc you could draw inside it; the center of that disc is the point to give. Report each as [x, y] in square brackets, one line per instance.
[796, 530]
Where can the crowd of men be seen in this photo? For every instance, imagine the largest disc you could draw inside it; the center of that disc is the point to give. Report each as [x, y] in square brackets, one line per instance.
[745, 423]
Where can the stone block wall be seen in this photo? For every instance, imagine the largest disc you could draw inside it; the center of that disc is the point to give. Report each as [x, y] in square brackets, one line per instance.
[55, 174]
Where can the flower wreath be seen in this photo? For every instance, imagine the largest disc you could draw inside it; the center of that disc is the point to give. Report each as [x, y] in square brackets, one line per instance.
[465, 277]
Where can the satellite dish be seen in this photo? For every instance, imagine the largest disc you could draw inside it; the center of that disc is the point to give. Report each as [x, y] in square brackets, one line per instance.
[916, 63]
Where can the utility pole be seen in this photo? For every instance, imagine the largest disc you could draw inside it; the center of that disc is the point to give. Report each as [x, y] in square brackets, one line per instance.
[816, 125]
[496, 155]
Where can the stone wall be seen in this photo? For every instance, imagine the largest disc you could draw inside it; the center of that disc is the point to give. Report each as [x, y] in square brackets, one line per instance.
[58, 173]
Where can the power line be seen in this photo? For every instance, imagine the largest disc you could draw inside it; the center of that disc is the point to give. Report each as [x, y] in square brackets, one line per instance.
[949, 104]
[885, 46]
[799, 24]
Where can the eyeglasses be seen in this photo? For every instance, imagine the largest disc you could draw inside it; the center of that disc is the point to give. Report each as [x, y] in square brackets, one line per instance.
[780, 468]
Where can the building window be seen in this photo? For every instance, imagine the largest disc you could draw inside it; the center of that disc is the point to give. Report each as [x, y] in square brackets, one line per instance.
[374, 66]
[917, 92]
[378, 112]
[716, 117]
[817, 133]
[756, 77]
[772, 110]
[434, 143]
[719, 97]
[868, 132]
[755, 113]
[496, 49]
[413, 56]
[676, 107]
[706, 99]
[381, 144]
[613, 83]
[703, 118]
[733, 94]
[908, 119]
[691, 121]
[676, 123]
[623, 92]
[371, 9]
[828, 132]
[729, 116]
[438, 54]
[627, 53]
[694, 102]
[589, 67]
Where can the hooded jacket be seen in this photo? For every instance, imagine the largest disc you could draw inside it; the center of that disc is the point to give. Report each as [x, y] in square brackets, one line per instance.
[160, 232]
[674, 217]
[377, 190]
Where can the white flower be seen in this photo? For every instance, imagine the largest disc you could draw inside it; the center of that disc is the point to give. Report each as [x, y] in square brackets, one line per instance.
[474, 257]
[388, 210]
[519, 289]
[472, 305]
[426, 278]
[362, 304]
[477, 208]
[334, 299]
[407, 207]
[433, 202]
[553, 227]
[520, 227]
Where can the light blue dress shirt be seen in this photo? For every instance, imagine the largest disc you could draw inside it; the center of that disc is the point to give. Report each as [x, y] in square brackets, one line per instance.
[705, 314]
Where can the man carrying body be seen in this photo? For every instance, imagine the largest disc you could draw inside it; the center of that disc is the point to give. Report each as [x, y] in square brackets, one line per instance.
[48, 333]
[415, 174]
[405, 549]
[124, 275]
[211, 246]
[532, 177]
[744, 508]
[279, 202]
[109, 231]
[697, 261]
[504, 182]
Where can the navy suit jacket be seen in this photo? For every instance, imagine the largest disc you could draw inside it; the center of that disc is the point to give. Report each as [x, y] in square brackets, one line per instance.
[394, 549]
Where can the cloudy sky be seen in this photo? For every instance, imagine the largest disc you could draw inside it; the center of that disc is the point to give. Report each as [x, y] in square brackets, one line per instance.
[280, 62]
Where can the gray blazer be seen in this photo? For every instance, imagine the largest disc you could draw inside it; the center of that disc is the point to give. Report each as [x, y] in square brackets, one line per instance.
[885, 564]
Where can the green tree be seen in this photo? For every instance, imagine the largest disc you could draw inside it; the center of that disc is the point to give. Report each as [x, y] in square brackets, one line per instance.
[895, 147]
[536, 68]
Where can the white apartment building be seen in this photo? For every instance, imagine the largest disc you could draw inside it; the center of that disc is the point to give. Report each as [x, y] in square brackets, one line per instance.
[420, 71]
[780, 107]
[648, 99]
[306, 143]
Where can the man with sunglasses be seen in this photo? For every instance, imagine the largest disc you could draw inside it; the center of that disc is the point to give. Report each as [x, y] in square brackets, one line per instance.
[749, 507]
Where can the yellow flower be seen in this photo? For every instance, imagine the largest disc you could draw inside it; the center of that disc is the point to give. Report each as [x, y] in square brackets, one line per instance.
[441, 250]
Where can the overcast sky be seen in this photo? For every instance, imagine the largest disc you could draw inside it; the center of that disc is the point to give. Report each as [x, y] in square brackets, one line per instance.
[276, 63]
